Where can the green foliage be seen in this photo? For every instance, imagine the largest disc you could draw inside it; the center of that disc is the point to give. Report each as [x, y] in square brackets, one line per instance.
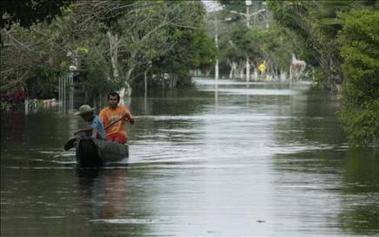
[353, 57]
[30, 60]
[44, 84]
[230, 39]
[38, 56]
[277, 44]
[95, 73]
[359, 49]
[200, 51]
[274, 44]
[27, 12]
[361, 123]
[169, 34]
[189, 44]
[191, 50]
[317, 24]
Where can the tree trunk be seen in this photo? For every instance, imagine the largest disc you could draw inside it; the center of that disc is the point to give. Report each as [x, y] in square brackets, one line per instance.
[233, 67]
[255, 74]
[241, 71]
[145, 80]
[126, 89]
[113, 52]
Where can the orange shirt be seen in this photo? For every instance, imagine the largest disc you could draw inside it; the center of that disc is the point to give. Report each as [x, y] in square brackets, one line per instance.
[109, 115]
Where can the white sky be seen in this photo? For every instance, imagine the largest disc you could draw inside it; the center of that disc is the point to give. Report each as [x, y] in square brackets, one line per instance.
[211, 5]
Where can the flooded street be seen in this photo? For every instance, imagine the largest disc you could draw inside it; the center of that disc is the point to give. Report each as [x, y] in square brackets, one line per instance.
[236, 159]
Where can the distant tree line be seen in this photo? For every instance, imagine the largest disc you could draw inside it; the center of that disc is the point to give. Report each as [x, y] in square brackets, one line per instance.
[264, 41]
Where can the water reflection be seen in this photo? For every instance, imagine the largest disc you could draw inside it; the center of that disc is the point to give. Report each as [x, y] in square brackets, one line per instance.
[360, 190]
[108, 196]
[344, 183]
[318, 164]
[105, 190]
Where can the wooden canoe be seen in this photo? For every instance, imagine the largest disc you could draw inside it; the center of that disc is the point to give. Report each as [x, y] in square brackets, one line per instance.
[91, 152]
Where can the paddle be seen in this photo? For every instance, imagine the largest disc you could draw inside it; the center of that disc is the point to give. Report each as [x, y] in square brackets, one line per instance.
[118, 120]
[70, 143]
[114, 122]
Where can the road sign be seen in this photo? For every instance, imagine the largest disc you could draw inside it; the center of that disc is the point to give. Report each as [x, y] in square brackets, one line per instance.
[262, 67]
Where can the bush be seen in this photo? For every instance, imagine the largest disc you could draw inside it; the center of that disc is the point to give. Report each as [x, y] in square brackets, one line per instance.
[360, 95]
[362, 123]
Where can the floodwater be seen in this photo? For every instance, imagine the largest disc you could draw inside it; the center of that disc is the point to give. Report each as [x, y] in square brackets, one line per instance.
[236, 159]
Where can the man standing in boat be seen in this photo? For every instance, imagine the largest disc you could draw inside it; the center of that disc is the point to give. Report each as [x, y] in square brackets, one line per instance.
[114, 118]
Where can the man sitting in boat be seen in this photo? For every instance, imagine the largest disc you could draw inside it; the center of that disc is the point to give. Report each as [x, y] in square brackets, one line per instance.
[114, 118]
[96, 129]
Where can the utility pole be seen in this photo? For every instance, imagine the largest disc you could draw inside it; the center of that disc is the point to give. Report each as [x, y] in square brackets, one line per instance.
[216, 43]
[248, 15]
[248, 3]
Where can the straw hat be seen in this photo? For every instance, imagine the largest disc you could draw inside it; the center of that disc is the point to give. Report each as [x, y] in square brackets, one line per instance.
[84, 109]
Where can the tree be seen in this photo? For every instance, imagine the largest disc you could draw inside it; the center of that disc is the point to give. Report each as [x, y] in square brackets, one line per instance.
[260, 43]
[27, 12]
[360, 54]
[30, 59]
[317, 23]
[189, 46]
[110, 42]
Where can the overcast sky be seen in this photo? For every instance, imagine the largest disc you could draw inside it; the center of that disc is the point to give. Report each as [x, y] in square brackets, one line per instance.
[212, 5]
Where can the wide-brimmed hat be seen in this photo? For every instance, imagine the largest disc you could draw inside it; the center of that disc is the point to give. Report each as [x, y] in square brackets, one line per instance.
[84, 109]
